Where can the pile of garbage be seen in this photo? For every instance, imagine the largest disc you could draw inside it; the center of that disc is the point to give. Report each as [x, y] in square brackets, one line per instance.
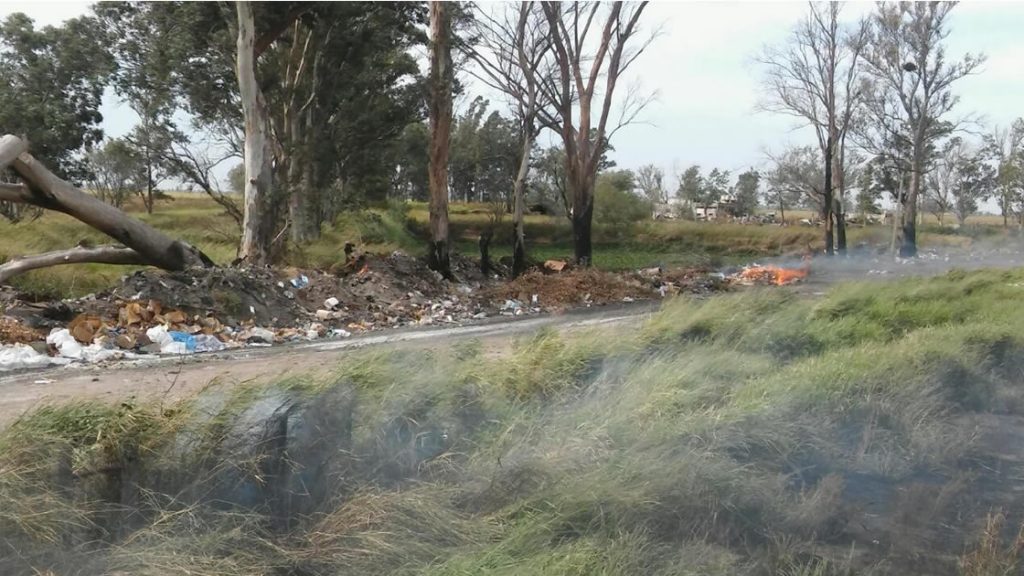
[153, 312]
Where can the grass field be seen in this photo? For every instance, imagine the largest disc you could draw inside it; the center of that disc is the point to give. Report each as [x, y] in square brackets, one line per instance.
[756, 433]
[200, 221]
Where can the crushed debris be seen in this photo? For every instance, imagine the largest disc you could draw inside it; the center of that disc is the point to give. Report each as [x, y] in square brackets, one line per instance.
[13, 331]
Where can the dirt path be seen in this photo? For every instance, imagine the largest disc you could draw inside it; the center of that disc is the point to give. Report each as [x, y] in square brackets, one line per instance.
[174, 378]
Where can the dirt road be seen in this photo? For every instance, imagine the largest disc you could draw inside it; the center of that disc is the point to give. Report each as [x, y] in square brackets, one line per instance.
[172, 378]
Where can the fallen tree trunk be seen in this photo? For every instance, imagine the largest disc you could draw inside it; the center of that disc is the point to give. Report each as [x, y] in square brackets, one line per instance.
[17, 193]
[41, 188]
[10, 148]
[77, 255]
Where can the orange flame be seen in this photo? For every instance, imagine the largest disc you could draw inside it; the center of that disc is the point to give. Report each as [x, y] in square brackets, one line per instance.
[774, 274]
[363, 270]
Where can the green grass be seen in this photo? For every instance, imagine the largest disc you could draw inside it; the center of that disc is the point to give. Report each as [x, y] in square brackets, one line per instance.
[195, 219]
[198, 220]
[725, 436]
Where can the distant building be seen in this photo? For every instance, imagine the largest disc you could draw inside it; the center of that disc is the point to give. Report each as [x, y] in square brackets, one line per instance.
[726, 205]
[669, 210]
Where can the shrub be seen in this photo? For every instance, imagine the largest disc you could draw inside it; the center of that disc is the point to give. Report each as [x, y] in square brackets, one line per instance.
[617, 208]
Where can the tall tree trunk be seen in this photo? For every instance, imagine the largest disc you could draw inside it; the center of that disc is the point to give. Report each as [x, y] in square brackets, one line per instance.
[581, 230]
[312, 208]
[440, 131]
[908, 247]
[897, 206]
[300, 193]
[518, 208]
[826, 205]
[257, 223]
[840, 216]
[485, 250]
[149, 182]
[582, 221]
[839, 198]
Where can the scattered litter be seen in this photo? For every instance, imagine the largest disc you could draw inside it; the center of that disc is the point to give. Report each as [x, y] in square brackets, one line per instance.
[208, 343]
[261, 336]
[205, 310]
[65, 343]
[325, 315]
[42, 381]
[555, 265]
[20, 356]
[511, 307]
[182, 338]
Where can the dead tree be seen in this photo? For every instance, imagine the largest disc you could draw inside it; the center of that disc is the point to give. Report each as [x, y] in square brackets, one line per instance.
[441, 81]
[511, 56]
[817, 78]
[912, 89]
[41, 188]
[581, 61]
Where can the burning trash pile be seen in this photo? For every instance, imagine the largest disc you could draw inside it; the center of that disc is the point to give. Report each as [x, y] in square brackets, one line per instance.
[769, 275]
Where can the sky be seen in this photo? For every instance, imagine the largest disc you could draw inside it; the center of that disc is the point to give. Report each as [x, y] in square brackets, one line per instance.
[707, 85]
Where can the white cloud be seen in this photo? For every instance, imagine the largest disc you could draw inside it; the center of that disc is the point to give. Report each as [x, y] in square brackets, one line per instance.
[45, 13]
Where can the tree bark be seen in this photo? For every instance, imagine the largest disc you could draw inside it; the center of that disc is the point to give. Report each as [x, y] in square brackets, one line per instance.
[518, 204]
[826, 204]
[99, 254]
[908, 247]
[46, 190]
[10, 148]
[440, 131]
[485, 251]
[840, 216]
[582, 222]
[839, 198]
[257, 216]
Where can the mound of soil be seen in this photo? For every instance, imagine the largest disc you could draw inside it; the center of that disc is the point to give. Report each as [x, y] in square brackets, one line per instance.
[232, 295]
[576, 287]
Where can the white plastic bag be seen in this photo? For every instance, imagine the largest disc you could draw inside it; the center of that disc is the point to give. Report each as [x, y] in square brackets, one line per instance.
[65, 343]
[21, 356]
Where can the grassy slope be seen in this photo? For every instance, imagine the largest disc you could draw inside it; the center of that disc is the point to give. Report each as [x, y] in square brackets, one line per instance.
[721, 438]
[198, 220]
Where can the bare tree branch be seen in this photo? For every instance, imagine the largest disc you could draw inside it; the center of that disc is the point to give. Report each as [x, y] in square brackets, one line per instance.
[77, 255]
